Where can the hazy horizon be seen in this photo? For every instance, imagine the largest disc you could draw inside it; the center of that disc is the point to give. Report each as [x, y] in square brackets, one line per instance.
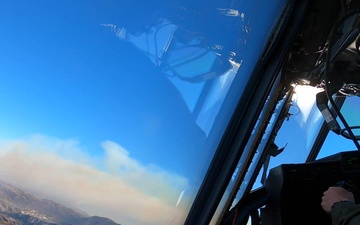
[125, 191]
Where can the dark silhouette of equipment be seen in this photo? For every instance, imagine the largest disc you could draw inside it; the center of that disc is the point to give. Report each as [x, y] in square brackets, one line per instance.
[295, 190]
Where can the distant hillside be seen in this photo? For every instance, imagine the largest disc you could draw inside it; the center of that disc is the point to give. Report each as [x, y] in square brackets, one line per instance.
[20, 208]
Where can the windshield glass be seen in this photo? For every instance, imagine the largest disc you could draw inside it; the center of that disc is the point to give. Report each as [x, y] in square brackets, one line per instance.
[115, 108]
[299, 130]
[294, 138]
[335, 143]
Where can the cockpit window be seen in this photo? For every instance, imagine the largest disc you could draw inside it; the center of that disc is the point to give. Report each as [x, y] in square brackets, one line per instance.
[116, 108]
[335, 141]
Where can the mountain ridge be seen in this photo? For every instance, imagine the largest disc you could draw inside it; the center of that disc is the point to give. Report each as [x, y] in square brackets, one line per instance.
[18, 207]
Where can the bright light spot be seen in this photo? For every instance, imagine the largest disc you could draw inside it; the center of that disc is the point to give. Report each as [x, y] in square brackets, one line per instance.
[180, 197]
[305, 97]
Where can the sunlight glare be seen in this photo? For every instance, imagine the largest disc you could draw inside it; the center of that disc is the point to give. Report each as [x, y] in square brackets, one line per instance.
[305, 97]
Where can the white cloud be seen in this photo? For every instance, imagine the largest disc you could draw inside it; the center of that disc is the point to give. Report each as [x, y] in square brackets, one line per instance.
[148, 179]
[128, 192]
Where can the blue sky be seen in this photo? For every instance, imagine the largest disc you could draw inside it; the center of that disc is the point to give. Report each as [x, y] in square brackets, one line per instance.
[336, 143]
[73, 80]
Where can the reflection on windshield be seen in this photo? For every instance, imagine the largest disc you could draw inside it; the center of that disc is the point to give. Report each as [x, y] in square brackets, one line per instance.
[200, 72]
[121, 126]
[116, 110]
